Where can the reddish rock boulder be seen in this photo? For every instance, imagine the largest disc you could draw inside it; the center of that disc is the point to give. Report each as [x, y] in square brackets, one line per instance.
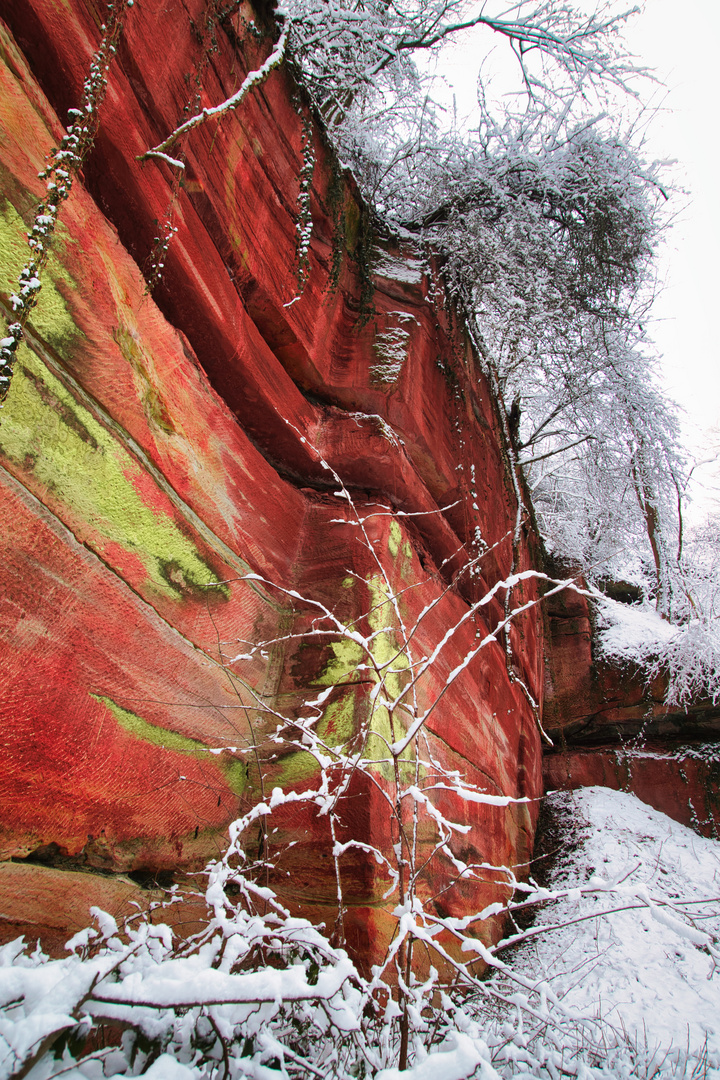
[683, 783]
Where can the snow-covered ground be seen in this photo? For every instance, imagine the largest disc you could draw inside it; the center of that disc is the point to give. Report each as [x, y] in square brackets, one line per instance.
[640, 969]
[615, 980]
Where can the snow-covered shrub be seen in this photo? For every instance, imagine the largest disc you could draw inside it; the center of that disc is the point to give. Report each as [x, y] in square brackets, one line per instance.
[255, 993]
[687, 654]
[611, 981]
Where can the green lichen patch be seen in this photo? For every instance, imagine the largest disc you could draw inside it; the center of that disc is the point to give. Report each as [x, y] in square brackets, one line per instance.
[13, 246]
[93, 483]
[295, 768]
[235, 772]
[337, 726]
[66, 414]
[348, 715]
[395, 539]
[343, 718]
[396, 545]
[152, 401]
[385, 652]
[336, 729]
[346, 657]
[51, 319]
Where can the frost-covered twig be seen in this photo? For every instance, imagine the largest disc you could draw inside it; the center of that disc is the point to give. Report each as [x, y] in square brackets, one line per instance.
[253, 79]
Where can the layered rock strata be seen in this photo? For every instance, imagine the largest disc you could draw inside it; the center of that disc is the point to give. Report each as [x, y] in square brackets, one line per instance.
[158, 446]
[612, 727]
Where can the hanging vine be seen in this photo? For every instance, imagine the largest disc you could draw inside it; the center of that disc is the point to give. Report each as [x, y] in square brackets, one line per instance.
[206, 36]
[304, 221]
[336, 202]
[365, 260]
[63, 167]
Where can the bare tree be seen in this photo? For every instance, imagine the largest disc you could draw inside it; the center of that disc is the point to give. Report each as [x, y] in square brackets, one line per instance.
[259, 991]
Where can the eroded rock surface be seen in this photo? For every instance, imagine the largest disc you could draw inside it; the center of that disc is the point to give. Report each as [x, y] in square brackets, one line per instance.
[612, 727]
[155, 448]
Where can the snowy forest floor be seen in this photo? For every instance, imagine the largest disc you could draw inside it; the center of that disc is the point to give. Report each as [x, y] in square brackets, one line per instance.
[638, 969]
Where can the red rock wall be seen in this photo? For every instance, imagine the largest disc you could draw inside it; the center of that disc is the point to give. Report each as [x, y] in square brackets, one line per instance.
[153, 445]
[681, 782]
[611, 727]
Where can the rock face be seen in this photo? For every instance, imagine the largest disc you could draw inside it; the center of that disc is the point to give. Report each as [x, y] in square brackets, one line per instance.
[155, 448]
[682, 781]
[611, 727]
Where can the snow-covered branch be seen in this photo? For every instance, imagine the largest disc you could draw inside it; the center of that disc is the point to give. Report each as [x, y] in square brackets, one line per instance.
[253, 79]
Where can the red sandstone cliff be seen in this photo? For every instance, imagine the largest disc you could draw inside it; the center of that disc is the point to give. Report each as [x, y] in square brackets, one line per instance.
[154, 444]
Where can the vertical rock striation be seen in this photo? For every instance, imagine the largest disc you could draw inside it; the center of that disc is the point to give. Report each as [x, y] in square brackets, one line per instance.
[157, 446]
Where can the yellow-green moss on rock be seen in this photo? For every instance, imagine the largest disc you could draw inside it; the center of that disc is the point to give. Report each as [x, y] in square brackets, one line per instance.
[235, 772]
[91, 481]
[50, 318]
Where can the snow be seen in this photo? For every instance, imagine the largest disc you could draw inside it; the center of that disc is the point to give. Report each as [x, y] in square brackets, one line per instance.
[645, 971]
[168, 1068]
[187, 982]
[408, 271]
[688, 654]
[632, 632]
[458, 1058]
[615, 980]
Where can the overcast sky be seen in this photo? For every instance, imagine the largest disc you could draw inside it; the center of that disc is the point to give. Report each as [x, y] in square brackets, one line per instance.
[681, 46]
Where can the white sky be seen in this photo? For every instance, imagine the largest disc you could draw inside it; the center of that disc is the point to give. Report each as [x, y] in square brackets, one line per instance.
[681, 48]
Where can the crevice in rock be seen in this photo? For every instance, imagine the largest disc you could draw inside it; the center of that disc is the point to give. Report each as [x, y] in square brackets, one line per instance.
[51, 855]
